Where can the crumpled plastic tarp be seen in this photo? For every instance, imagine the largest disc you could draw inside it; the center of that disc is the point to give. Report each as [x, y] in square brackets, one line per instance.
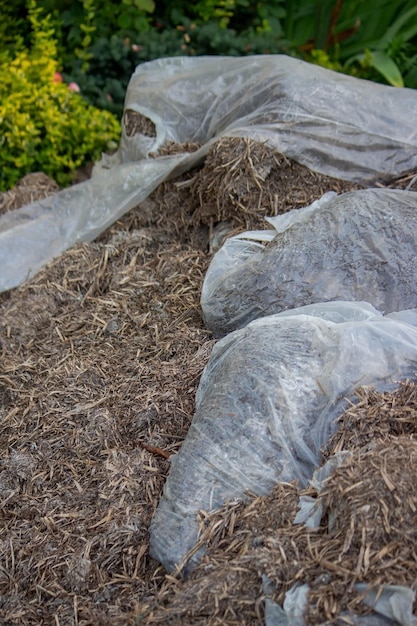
[360, 245]
[332, 123]
[266, 404]
[392, 604]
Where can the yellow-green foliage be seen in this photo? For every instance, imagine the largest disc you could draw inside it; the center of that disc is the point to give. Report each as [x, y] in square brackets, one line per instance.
[320, 57]
[44, 126]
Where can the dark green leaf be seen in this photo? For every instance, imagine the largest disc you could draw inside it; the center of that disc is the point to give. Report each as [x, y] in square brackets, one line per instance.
[387, 67]
[145, 5]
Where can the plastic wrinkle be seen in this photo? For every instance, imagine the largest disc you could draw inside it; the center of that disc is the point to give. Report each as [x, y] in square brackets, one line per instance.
[334, 124]
[357, 246]
[393, 606]
[267, 402]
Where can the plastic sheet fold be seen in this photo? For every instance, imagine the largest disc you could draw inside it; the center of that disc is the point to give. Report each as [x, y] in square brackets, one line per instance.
[334, 124]
[266, 404]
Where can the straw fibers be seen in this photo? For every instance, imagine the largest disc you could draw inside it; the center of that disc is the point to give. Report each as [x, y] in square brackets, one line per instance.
[101, 355]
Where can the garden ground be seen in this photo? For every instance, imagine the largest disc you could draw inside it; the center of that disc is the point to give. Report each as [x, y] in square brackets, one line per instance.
[102, 352]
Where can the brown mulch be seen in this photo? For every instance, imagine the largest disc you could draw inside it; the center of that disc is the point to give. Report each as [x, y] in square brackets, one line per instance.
[30, 188]
[372, 536]
[101, 355]
[138, 123]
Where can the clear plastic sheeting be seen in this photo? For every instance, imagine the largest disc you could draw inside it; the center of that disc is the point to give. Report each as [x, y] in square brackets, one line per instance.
[38, 232]
[360, 245]
[266, 404]
[392, 605]
[334, 124]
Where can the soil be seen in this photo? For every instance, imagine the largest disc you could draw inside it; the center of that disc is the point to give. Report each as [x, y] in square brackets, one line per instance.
[101, 355]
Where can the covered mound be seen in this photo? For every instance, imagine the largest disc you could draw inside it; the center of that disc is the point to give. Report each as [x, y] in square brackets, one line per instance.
[101, 354]
[371, 500]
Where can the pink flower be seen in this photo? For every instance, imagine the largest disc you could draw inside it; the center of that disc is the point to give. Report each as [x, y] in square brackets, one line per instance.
[57, 78]
[135, 47]
[74, 87]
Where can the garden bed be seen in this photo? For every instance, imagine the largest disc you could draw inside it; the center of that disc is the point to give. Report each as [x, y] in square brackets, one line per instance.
[102, 352]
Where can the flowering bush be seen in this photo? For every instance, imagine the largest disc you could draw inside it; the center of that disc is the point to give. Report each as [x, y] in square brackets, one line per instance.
[45, 124]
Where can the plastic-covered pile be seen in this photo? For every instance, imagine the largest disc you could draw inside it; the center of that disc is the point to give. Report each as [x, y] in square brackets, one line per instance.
[391, 604]
[357, 246]
[334, 124]
[266, 404]
[329, 122]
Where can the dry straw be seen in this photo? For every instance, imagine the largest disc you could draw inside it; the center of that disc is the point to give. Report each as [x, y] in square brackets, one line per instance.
[101, 355]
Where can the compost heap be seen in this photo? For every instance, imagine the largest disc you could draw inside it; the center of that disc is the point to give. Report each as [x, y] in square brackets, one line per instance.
[102, 352]
[359, 246]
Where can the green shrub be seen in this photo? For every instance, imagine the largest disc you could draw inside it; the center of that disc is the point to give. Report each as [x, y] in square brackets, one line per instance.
[113, 61]
[79, 24]
[376, 39]
[14, 25]
[44, 125]
[210, 38]
[239, 15]
[111, 64]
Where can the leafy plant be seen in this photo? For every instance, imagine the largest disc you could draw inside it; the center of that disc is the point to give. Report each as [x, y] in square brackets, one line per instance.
[373, 39]
[386, 53]
[221, 10]
[113, 61]
[79, 24]
[134, 14]
[211, 38]
[87, 29]
[238, 15]
[111, 64]
[14, 26]
[43, 124]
